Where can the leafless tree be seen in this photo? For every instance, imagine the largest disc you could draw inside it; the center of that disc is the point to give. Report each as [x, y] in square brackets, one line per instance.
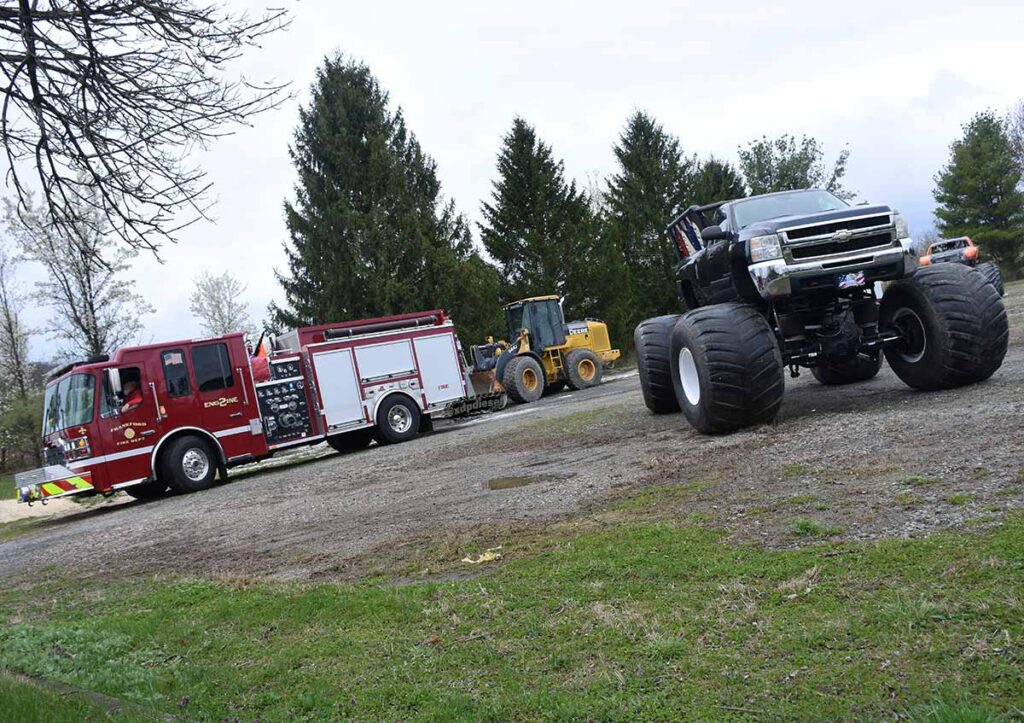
[216, 302]
[1015, 128]
[112, 95]
[14, 365]
[95, 310]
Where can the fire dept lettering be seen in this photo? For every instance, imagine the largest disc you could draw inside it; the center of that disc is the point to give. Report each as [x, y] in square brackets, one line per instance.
[222, 402]
[127, 430]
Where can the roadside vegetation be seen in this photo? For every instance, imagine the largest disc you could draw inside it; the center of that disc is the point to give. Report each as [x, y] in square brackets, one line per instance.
[638, 620]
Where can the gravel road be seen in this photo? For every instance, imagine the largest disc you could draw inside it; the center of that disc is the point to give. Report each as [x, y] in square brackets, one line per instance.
[866, 461]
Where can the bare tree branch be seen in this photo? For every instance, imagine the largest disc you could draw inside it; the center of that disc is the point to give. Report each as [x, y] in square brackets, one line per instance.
[112, 96]
[95, 310]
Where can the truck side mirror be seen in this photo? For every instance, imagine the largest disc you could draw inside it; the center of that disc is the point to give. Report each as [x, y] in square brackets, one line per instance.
[713, 233]
[114, 377]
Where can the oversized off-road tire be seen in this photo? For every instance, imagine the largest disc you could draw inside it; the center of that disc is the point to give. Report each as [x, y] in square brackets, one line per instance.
[554, 387]
[727, 368]
[147, 491]
[350, 441]
[953, 326]
[189, 464]
[398, 419]
[858, 368]
[582, 369]
[990, 270]
[650, 340]
[524, 379]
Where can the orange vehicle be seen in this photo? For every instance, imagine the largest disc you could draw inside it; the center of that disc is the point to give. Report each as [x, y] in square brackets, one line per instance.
[962, 250]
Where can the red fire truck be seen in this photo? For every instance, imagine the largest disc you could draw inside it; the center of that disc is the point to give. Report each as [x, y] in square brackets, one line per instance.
[171, 416]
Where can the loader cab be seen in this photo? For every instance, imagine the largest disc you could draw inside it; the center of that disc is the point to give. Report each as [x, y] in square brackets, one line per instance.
[542, 318]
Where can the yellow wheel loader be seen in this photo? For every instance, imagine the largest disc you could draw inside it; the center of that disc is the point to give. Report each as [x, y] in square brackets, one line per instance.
[545, 354]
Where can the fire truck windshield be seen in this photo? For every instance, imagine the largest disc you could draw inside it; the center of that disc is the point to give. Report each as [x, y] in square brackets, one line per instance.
[68, 402]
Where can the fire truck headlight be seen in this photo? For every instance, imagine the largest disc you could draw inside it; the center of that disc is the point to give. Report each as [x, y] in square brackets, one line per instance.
[77, 448]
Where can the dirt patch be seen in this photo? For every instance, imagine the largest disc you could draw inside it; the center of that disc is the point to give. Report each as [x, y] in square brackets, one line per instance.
[846, 463]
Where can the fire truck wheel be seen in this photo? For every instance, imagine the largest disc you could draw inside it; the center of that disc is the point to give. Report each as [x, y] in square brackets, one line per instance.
[350, 441]
[147, 490]
[188, 465]
[398, 419]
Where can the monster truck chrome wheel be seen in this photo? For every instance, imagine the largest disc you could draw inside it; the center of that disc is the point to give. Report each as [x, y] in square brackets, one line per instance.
[688, 376]
[914, 340]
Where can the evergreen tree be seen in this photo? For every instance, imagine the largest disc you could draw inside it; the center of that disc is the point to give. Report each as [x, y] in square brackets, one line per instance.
[539, 228]
[369, 232]
[717, 181]
[978, 194]
[654, 182]
[782, 164]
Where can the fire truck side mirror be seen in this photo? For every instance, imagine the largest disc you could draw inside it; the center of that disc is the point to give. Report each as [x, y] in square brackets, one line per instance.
[114, 377]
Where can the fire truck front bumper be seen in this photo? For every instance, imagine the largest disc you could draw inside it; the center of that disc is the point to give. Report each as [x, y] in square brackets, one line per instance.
[46, 483]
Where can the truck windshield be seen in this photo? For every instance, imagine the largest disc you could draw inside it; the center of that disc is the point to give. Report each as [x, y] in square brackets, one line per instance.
[752, 210]
[68, 403]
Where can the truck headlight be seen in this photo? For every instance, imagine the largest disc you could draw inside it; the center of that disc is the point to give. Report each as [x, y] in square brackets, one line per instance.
[902, 229]
[75, 449]
[765, 248]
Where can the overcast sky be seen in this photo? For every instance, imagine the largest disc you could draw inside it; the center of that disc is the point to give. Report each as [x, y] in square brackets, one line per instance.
[894, 81]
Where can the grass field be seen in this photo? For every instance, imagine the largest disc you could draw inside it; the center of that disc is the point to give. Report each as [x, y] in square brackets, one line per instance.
[640, 620]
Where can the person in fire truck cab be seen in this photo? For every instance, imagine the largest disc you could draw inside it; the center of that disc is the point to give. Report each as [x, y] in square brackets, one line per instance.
[132, 395]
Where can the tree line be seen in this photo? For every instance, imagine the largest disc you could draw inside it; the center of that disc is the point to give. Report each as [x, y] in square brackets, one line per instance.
[371, 234]
[370, 231]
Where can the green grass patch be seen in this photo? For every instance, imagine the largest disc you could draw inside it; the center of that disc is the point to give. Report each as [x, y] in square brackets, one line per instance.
[795, 470]
[920, 480]
[23, 701]
[658, 495]
[574, 423]
[17, 528]
[908, 499]
[807, 527]
[960, 499]
[798, 500]
[634, 621]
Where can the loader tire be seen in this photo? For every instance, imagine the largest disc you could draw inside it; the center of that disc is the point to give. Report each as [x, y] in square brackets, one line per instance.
[523, 379]
[953, 326]
[858, 368]
[147, 491]
[583, 369]
[990, 270]
[189, 464]
[398, 420]
[650, 339]
[350, 441]
[727, 368]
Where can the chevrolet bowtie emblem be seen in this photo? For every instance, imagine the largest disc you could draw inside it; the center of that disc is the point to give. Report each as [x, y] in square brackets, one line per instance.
[843, 235]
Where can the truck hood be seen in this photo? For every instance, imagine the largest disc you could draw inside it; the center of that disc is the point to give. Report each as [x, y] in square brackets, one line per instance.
[772, 225]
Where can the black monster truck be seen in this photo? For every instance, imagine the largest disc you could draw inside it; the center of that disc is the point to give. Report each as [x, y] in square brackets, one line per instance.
[789, 279]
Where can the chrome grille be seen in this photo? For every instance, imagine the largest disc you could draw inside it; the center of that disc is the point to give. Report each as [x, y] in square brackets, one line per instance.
[832, 238]
[847, 224]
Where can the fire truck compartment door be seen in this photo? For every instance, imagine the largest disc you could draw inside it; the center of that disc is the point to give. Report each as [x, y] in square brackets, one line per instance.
[440, 368]
[382, 361]
[339, 388]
